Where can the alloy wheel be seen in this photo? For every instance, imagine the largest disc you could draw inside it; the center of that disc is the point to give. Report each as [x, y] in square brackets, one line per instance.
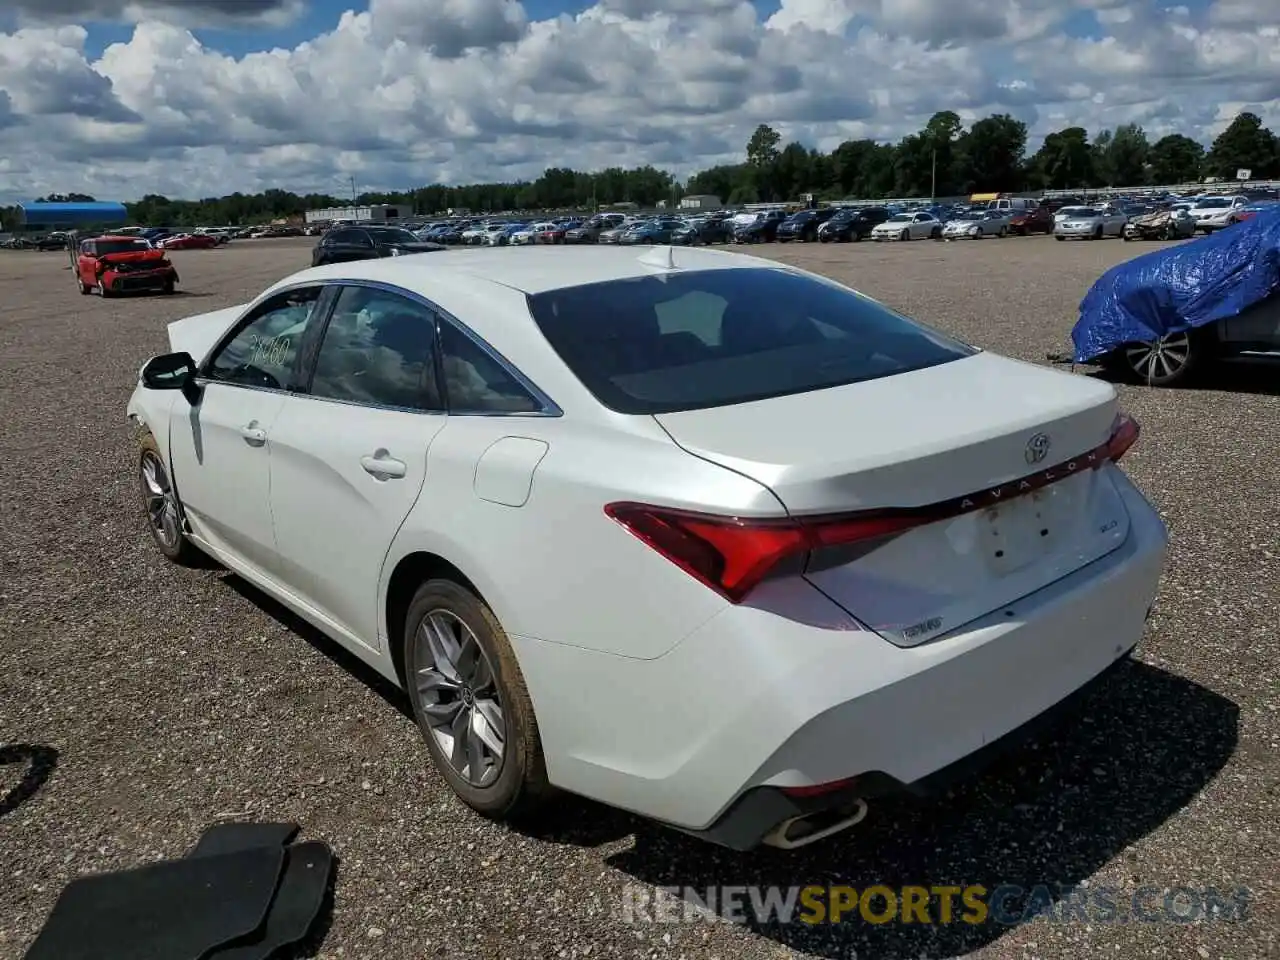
[1161, 360]
[459, 697]
[161, 502]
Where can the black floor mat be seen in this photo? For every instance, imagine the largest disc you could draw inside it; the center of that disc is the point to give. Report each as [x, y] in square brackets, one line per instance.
[173, 910]
[233, 837]
[299, 899]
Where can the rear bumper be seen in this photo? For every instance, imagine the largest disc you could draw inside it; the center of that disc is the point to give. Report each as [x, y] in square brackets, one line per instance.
[789, 692]
[750, 818]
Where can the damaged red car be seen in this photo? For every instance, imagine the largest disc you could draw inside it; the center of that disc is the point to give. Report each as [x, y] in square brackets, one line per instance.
[112, 265]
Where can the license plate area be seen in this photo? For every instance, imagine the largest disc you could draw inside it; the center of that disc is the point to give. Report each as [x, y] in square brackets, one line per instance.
[1016, 534]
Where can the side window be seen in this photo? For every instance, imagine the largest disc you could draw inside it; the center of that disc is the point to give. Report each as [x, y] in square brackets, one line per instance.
[378, 349]
[263, 352]
[337, 237]
[86, 248]
[477, 383]
[361, 239]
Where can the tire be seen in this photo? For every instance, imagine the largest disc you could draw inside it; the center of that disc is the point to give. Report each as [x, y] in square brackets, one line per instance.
[489, 686]
[1171, 360]
[162, 507]
[168, 289]
[1097, 234]
[935, 233]
[103, 291]
[905, 235]
[1004, 231]
[1059, 238]
[85, 289]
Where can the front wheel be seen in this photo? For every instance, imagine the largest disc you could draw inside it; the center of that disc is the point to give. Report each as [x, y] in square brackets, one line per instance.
[1169, 360]
[905, 235]
[103, 290]
[471, 703]
[165, 518]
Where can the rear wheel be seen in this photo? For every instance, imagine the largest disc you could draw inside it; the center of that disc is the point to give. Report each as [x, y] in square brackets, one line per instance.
[471, 703]
[936, 233]
[1167, 361]
[1003, 231]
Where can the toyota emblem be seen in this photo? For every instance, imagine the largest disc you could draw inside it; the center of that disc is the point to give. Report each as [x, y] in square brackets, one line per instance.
[1037, 448]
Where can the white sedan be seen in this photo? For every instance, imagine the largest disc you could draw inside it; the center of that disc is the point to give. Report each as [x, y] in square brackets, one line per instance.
[908, 226]
[699, 535]
[1215, 213]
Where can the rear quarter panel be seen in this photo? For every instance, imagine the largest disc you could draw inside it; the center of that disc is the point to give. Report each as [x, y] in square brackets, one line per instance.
[557, 568]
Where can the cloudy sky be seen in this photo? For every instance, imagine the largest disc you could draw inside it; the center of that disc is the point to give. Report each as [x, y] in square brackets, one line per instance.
[202, 97]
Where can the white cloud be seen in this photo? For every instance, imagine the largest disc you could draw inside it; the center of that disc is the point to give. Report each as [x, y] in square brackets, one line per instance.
[409, 92]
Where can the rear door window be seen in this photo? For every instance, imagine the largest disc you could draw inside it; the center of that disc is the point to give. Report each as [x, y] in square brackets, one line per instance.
[688, 340]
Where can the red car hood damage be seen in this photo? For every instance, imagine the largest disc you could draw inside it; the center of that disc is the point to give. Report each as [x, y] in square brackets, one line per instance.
[154, 258]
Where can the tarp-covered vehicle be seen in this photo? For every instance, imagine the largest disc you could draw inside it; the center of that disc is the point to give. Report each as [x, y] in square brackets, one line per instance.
[1161, 225]
[1163, 315]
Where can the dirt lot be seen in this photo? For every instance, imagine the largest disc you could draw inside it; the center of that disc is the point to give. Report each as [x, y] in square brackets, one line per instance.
[169, 698]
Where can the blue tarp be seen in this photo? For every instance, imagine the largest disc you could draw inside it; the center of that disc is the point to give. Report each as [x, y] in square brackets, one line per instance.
[1179, 288]
[73, 214]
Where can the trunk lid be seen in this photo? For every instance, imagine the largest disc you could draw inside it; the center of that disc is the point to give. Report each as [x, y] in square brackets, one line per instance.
[982, 429]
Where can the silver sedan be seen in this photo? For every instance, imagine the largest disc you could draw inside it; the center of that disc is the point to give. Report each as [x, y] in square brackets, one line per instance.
[1089, 223]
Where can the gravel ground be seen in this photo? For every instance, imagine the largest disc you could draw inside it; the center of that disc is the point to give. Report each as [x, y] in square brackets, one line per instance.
[158, 699]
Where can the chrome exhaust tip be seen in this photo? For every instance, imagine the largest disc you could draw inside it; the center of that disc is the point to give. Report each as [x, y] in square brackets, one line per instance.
[809, 828]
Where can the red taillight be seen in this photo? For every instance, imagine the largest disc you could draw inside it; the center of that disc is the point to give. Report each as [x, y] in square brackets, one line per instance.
[728, 554]
[820, 789]
[732, 555]
[1123, 436]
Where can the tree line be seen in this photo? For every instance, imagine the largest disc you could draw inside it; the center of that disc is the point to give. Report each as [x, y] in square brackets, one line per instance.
[943, 159]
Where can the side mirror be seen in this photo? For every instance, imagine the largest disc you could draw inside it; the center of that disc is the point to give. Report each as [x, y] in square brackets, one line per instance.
[172, 371]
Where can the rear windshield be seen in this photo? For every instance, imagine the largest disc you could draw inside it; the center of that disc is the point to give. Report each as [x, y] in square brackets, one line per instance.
[1082, 212]
[709, 338]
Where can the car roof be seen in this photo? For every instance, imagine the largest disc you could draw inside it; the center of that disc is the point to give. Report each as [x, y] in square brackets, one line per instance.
[485, 288]
[531, 271]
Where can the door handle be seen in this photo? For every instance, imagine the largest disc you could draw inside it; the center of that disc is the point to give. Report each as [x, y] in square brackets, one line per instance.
[382, 466]
[253, 434]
